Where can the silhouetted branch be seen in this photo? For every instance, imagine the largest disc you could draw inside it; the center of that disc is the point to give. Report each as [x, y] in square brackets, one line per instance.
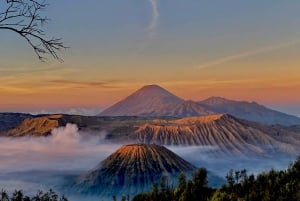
[23, 17]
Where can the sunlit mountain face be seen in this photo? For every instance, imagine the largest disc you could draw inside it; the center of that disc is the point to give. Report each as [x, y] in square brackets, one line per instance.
[132, 169]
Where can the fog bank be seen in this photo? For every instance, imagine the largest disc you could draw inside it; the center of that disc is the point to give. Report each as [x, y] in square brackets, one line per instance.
[40, 163]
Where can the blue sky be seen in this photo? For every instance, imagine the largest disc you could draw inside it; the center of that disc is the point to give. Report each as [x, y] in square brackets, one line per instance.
[191, 47]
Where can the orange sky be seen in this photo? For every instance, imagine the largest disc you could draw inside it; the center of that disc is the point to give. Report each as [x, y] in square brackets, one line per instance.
[244, 54]
[268, 82]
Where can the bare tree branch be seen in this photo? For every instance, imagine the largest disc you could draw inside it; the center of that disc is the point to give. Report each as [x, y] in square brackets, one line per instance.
[24, 18]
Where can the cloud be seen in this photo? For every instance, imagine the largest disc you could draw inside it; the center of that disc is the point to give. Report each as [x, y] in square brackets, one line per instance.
[42, 163]
[33, 164]
[220, 164]
[21, 70]
[155, 18]
[80, 84]
[66, 149]
[246, 54]
[70, 111]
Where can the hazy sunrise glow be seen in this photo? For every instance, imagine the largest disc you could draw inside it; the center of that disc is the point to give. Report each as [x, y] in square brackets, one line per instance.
[196, 49]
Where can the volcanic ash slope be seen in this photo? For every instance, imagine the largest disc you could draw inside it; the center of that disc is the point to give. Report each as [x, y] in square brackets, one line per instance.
[133, 169]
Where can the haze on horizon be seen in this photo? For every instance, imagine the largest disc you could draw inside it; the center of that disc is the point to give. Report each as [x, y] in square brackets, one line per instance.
[196, 49]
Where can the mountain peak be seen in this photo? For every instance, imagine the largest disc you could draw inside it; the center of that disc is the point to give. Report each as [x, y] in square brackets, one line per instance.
[151, 86]
[133, 168]
[154, 90]
[155, 101]
[149, 100]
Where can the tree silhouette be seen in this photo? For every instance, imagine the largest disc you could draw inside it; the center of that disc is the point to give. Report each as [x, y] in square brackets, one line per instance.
[199, 189]
[181, 186]
[24, 18]
[280, 185]
[4, 196]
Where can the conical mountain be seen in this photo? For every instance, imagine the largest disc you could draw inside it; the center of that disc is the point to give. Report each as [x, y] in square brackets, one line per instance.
[150, 100]
[133, 169]
[153, 100]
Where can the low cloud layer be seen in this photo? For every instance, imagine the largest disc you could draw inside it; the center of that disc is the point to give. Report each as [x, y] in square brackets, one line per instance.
[220, 164]
[42, 163]
[68, 149]
[65, 149]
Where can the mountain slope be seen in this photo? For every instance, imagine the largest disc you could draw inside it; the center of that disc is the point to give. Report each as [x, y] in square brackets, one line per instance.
[154, 101]
[10, 120]
[116, 127]
[132, 169]
[248, 110]
[38, 126]
[186, 109]
[225, 133]
[150, 100]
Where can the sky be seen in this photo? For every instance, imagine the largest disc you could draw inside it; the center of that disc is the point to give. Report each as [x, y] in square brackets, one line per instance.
[238, 49]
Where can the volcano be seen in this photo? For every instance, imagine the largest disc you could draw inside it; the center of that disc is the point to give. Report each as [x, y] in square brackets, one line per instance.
[153, 100]
[133, 169]
[226, 133]
[150, 100]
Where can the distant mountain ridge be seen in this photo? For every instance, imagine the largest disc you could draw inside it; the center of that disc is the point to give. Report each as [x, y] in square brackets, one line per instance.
[154, 101]
[11, 120]
[251, 111]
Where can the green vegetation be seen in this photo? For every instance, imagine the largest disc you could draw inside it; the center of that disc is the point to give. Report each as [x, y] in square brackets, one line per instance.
[18, 195]
[283, 185]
